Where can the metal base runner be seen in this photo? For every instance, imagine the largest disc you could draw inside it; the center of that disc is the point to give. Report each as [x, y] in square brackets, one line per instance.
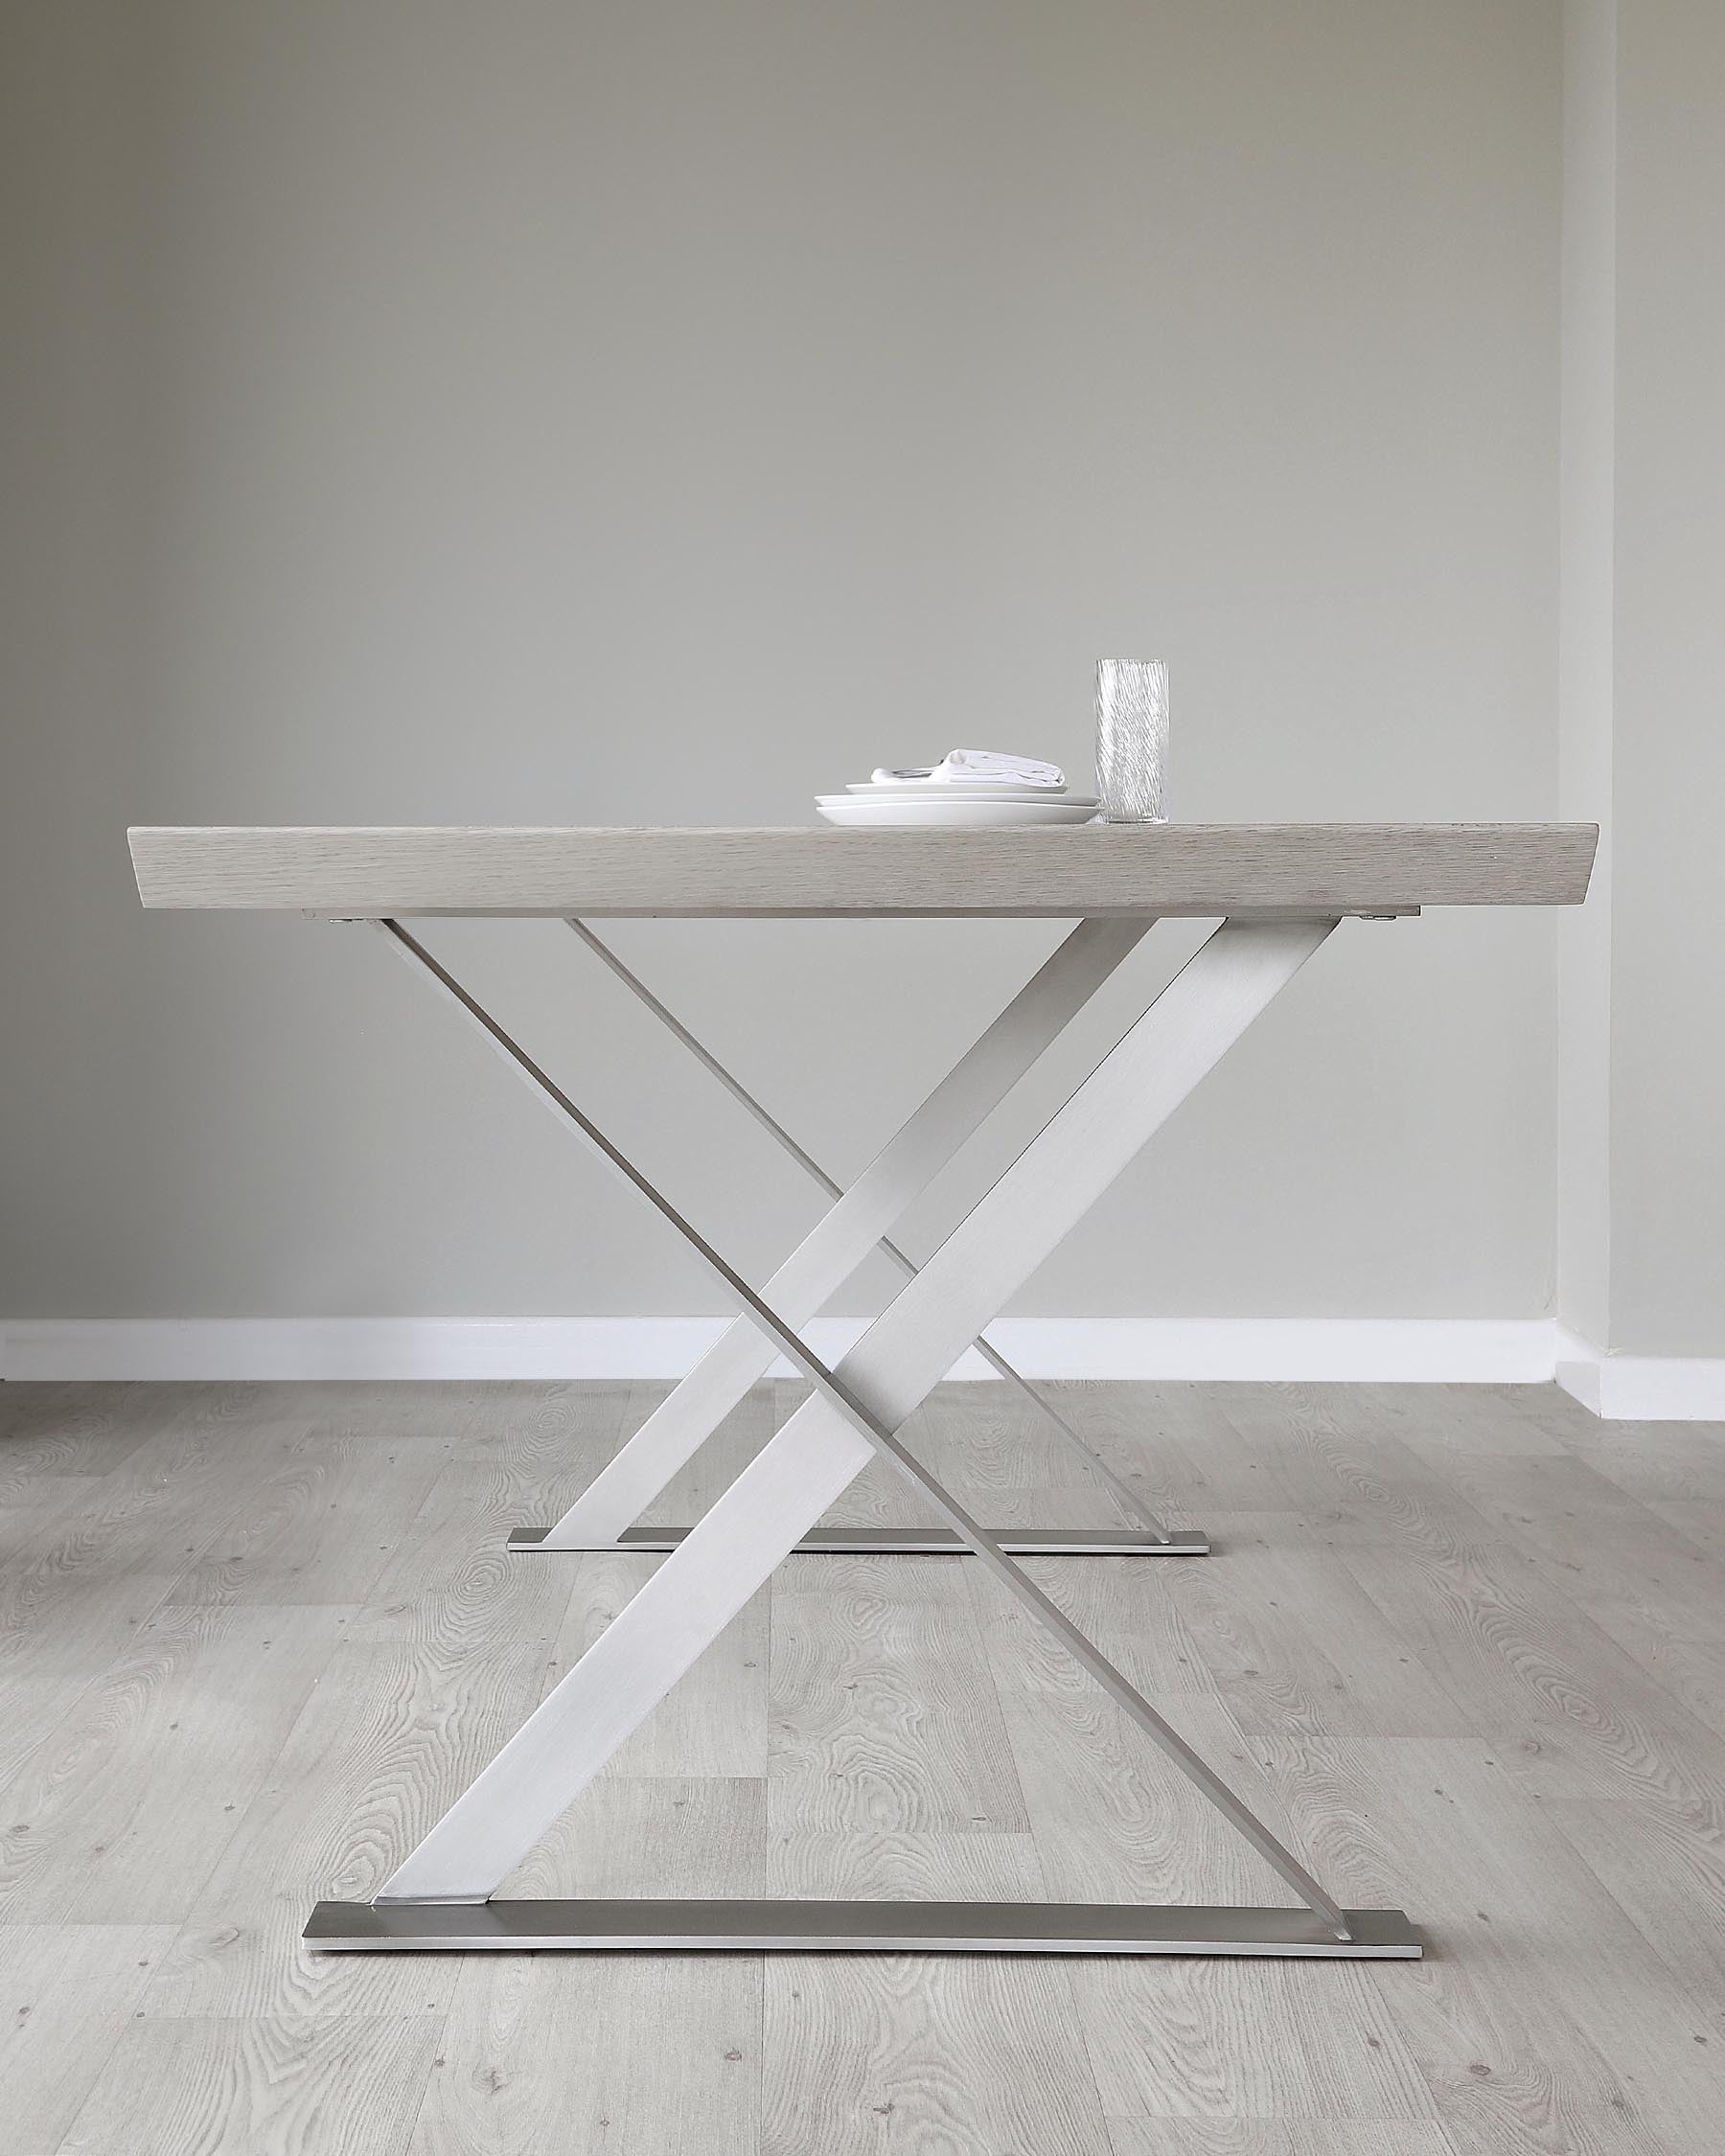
[850, 1927]
[913, 1542]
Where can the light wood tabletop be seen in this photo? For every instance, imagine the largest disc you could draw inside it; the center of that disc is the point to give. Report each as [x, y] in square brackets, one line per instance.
[1203, 869]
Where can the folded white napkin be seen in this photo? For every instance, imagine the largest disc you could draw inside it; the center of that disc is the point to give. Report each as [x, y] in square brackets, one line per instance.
[971, 764]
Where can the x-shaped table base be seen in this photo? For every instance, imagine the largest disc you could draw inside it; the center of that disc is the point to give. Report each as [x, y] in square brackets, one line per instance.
[602, 1517]
[440, 1896]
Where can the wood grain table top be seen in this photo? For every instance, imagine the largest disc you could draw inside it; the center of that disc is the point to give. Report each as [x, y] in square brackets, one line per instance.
[1202, 869]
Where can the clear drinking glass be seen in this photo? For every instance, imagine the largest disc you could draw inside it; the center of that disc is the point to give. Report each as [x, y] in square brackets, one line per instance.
[1132, 739]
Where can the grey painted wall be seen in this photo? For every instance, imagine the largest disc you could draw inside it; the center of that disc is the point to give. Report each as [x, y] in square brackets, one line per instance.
[1587, 633]
[1668, 1167]
[1642, 707]
[596, 414]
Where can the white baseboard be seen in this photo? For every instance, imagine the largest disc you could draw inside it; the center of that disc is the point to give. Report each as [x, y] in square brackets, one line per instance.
[1641, 1387]
[1263, 1351]
[241, 1349]
[1363, 1350]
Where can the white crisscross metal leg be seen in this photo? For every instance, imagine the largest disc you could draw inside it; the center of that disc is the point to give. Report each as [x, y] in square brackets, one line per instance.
[606, 1512]
[1153, 1538]
[440, 1895]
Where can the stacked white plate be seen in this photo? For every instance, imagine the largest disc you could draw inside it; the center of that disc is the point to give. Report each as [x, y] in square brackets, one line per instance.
[959, 805]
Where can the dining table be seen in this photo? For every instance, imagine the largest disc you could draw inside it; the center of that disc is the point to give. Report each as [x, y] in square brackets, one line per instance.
[1276, 894]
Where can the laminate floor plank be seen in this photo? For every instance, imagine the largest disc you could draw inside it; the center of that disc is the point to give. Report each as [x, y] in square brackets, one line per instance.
[1226, 2038]
[652, 1837]
[1513, 1651]
[339, 2084]
[1667, 1871]
[1355, 1478]
[1682, 1460]
[275, 1544]
[122, 1813]
[1463, 1649]
[971, 2054]
[1177, 1446]
[54, 1655]
[447, 1577]
[1285, 1629]
[597, 2056]
[1111, 1820]
[1697, 1520]
[988, 1440]
[1647, 1574]
[1675, 1664]
[1543, 2019]
[536, 1427]
[1124, 1427]
[1598, 1542]
[987, 1443]
[1268, 2137]
[68, 1993]
[1438, 1422]
[140, 1522]
[899, 1865]
[387, 1740]
[882, 1709]
[75, 1590]
[61, 1440]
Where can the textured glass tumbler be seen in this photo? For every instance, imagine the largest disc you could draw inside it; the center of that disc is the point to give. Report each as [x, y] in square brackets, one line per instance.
[1132, 739]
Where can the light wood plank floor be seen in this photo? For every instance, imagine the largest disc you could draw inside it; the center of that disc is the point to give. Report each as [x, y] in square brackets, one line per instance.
[1464, 1647]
